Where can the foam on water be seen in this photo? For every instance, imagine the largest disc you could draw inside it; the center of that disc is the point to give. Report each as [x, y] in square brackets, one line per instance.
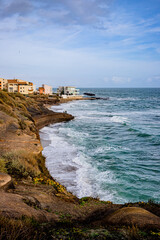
[66, 164]
[125, 99]
[71, 167]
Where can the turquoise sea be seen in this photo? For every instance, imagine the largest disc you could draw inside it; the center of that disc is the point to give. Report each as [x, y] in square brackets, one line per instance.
[111, 149]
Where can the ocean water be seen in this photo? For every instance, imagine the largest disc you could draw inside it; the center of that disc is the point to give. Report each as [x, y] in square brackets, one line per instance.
[111, 149]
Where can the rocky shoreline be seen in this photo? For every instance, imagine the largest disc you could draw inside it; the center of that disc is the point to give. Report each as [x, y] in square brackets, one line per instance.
[33, 194]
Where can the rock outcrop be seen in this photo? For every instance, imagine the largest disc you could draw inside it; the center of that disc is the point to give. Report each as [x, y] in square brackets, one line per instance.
[50, 118]
[133, 216]
[5, 181]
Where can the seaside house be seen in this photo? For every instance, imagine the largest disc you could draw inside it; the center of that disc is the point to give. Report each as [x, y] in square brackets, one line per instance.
[25, 88]
[12, 85]
[66, 91]
[45, 89]
[18, 85]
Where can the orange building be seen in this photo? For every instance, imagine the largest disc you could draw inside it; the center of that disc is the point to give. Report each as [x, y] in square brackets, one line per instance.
[3, 83]
[41, 90]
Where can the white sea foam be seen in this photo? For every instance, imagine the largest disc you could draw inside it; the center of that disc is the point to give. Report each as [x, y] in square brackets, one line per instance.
[124, 99]
[74, 134]
[67, 165]
[119, 119]
[104, 119]
[72, 168]
[104, 149]
[83, 114]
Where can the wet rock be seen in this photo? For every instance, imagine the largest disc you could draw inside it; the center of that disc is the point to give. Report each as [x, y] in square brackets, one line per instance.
[89, 94]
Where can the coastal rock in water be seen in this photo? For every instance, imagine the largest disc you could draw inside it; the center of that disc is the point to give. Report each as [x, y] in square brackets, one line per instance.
[99, 98]
[133, 216]
[89, 94]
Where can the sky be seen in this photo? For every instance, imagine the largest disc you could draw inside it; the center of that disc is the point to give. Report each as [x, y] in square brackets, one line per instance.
[83, 43]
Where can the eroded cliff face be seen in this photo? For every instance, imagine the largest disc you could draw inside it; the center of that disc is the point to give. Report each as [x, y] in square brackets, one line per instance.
[45, 116]
[15, 136]
[20, 119]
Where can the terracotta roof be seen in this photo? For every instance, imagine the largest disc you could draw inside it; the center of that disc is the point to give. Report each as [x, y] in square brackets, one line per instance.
[22, 83]
[12, 81]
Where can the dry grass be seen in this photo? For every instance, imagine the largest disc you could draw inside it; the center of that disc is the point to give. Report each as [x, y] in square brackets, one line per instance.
[7, 109]
[11, 229]
[15, 105]
[133, 233]
[1, 121]
[20, 164]
[7, 99]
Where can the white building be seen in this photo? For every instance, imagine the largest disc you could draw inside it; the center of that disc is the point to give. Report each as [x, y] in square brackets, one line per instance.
[68, 91]
[45, 89]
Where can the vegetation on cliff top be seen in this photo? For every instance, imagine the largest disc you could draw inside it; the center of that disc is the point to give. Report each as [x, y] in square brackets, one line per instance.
[30, 229]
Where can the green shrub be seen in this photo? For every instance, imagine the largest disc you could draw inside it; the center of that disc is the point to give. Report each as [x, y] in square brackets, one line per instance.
[15, 169]
[2, 165]
[21, 164]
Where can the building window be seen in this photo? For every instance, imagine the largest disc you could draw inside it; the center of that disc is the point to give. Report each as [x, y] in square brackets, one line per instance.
[11, 89]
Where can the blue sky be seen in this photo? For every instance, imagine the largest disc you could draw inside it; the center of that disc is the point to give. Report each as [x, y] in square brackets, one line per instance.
[86, 43]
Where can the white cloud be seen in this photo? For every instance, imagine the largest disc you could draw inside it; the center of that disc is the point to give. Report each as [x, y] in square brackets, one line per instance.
[118, 79]
[154, 79]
